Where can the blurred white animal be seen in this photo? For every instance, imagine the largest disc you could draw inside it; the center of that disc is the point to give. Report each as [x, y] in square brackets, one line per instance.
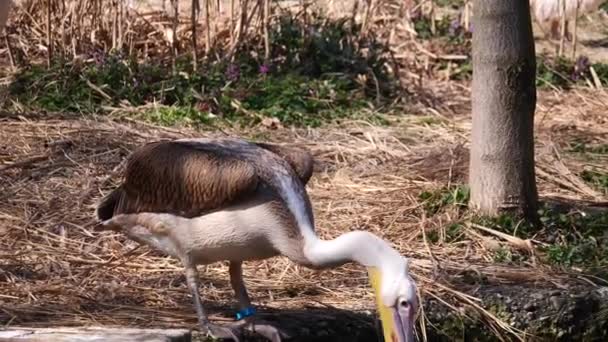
[550, 11]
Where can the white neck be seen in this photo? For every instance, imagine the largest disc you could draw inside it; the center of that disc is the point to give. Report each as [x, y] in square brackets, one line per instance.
[368, 250]
[361, 247]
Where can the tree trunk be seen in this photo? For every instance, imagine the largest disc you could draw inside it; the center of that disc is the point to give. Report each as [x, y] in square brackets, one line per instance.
[502, 176]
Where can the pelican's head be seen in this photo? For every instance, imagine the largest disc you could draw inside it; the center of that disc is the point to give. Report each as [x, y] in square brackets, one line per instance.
[397, 301]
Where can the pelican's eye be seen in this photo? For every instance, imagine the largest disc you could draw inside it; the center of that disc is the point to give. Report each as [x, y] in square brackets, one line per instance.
[404, 304]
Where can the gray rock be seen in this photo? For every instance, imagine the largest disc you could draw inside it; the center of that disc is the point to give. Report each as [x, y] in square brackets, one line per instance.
[94, 334]
[557, 302]
[530, 306]
[537, 296]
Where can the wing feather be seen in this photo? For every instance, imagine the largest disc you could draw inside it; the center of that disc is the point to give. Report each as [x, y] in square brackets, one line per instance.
[189, 178]
[300, 160]
[174, 177]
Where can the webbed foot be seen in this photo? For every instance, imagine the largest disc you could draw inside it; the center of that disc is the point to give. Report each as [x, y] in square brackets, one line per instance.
[220, 332]
[260, 327]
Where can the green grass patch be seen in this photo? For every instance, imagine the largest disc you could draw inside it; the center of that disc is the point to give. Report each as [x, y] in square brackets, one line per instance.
[596, 179]
[456, 4]
[187, 97]
[434, 201]
[582, 146]
[438, 200]
[508, 223]
[573, 239]
[562, 72]
[450, 37]
[303, 101]
[173, 115]
[323, 72]
[503, 255]
[453, 232]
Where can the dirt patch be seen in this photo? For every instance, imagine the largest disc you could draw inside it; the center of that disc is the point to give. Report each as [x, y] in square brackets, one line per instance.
[546, 313]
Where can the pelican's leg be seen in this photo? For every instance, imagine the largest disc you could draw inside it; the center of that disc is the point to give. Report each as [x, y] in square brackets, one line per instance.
[214, 330]
[246, 314]
[238, 285]
[556, 30]
[568, 34]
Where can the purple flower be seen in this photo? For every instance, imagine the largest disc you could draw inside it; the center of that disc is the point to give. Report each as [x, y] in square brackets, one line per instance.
[454, 27]
[581, 67]
[415, 14]
[233, 72]
[264, 69]
[582, 64]
[99, 57]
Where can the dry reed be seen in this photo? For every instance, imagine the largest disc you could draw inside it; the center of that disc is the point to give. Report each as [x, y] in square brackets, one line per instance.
[55, 271]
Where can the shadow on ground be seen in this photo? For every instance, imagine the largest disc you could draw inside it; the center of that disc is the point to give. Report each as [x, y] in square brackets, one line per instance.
[596, 43]
[550, 313]
[309, 324]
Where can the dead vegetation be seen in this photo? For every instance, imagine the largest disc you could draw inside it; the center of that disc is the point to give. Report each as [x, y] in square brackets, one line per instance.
[55, 271]
[53, 169]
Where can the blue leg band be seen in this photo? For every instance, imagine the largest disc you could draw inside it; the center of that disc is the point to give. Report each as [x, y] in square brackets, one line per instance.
[250, 311]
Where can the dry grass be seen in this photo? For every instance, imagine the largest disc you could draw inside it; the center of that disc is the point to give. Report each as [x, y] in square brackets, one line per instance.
[56, 271]
[78, 30]
[75, 29]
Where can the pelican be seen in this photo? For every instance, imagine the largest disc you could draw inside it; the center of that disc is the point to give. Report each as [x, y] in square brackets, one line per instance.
[208, 200]
[550, 11]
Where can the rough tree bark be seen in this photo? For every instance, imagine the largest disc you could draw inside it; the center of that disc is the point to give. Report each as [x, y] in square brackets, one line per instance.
[502, 176]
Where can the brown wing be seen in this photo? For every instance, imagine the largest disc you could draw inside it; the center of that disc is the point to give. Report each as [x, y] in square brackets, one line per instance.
[177, 178]
[300, 160]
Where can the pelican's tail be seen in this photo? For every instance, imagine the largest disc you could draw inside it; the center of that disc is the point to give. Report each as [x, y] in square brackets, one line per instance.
[105, 209]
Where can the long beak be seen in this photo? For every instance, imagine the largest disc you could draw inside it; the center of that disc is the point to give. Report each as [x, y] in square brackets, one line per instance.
[396, 326]
[106, 225]
[405, 326]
